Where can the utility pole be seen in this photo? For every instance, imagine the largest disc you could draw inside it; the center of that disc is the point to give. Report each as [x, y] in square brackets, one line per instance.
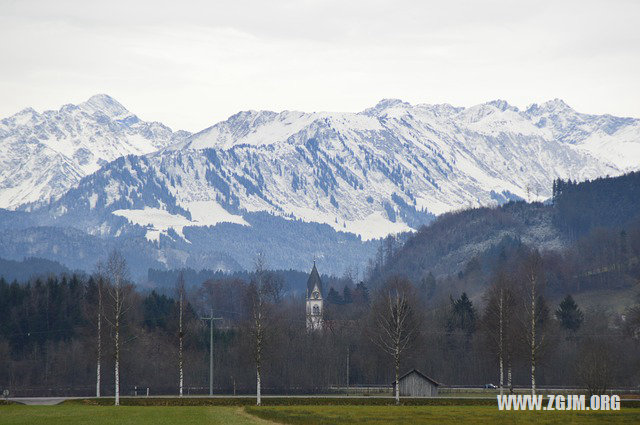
[348, 370]
[211, 319]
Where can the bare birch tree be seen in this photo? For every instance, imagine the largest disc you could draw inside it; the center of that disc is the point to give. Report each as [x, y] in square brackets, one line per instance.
[258, 316]
[534, 310]
[181, 294]
[498, 321]
[395, 324]
[100, 280]
[117, 275]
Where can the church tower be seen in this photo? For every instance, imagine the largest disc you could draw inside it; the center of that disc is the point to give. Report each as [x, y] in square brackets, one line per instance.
[314, 301]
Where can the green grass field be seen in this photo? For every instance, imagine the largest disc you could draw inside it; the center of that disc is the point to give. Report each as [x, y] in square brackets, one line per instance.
[124, 415]
[418, 415]
[298, 415]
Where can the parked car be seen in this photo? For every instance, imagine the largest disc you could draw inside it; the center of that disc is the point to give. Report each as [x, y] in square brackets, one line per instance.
[490, 387]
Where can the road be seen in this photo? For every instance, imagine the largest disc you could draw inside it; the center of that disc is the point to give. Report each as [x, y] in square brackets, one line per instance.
[40, 401]
[50, 401]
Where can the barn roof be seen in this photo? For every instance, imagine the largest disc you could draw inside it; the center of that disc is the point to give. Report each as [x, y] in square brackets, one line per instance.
[314, 279]
[422, 375]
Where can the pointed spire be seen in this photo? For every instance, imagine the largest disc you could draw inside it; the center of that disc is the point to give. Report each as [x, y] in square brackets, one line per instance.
[314, 281]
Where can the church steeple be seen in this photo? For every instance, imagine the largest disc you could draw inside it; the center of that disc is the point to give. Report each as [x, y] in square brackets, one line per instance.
[314, 300]
[314, 282]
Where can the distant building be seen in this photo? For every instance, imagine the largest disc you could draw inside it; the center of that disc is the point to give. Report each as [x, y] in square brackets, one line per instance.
[314, 301]
[416, 384]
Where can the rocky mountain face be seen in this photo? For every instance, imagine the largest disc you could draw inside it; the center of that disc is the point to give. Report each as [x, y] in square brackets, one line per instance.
[388, 169]
[43, 155]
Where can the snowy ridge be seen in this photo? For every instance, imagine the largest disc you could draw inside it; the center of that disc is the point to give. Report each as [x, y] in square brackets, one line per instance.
[385, 170]
[42, 155]
[612, 140]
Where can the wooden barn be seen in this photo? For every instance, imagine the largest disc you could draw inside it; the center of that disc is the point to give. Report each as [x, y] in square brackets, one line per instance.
[416, 384]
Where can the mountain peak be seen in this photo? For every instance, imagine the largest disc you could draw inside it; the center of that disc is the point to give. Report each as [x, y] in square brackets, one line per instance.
[23, 117]
[28, 110]
[104, 104]
[502, 105]
[387, 103]
[383, 105]
[555, 105]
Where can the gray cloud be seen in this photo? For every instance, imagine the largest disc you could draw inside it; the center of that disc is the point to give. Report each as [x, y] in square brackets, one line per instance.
[190, 64]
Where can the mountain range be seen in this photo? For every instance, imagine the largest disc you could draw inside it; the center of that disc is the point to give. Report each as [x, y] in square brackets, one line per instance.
[42, 155]
[296, 185]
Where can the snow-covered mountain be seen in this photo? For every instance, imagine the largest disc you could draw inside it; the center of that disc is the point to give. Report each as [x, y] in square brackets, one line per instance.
[42, 155]
[291, 179]
[613, 140]
[385, 170]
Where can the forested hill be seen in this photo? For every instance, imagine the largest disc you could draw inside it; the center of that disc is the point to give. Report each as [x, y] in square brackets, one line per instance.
[604, 202]
[590, 228]
[164, 281]
[30, 267]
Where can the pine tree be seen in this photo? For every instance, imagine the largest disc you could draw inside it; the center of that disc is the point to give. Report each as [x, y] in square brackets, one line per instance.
[463, 315]
[347, 298]
[569, 314]
[427, 286]
[362, 292]
[333, 297]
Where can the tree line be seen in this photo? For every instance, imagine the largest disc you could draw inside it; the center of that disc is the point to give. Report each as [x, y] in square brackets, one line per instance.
[99, 334]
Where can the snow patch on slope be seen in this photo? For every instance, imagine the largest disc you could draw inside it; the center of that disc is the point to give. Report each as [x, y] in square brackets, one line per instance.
[373, 226]
[210, 213]
[621, 148]
[159, 221]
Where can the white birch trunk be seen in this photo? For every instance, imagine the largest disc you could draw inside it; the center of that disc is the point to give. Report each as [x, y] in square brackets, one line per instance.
[98, 379]
[258, 317]
[98, 374]
[116, 272]
[180, 361]
[259, 351]
[398, 333]
[397, 383]
[117, 343]
[501, 347]
[258, 385]
[533, 337]
[397, 348]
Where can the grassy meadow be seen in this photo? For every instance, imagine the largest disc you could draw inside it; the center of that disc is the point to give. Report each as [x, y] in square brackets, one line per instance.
[229, 411]
[124, 415]
[419, 415]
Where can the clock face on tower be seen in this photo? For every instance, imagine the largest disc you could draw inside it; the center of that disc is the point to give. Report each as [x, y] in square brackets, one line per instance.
[316, 294]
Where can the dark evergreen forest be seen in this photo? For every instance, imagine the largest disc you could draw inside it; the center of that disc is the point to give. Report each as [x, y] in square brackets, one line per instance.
[463, 276]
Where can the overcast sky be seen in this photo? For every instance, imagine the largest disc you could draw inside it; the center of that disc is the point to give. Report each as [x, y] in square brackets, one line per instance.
[190, 64]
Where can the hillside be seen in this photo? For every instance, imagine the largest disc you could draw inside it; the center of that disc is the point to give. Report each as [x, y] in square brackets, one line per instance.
[589, 237]
[28, 268]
